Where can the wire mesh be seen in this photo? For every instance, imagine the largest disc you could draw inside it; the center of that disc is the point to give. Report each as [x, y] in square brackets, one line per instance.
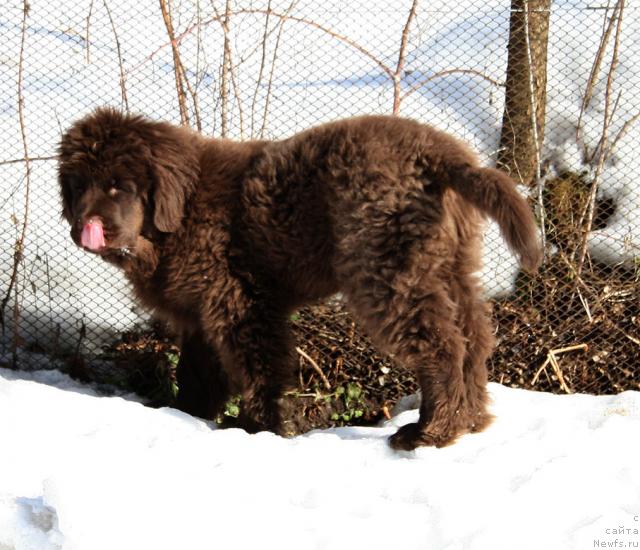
[244, 69]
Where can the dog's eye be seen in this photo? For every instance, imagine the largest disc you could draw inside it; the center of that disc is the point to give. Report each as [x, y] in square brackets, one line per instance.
[76, 184]
[118, 186]
[114, 187]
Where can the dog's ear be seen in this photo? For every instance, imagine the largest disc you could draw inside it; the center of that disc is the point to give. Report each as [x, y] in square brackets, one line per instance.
[169, 199]
[175, 171]
[66, 196]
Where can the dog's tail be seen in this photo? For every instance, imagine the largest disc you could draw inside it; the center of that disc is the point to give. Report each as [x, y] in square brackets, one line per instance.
[495, 194]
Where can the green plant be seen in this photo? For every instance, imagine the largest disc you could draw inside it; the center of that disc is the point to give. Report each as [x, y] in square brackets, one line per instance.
[232, 407]
[353, 398]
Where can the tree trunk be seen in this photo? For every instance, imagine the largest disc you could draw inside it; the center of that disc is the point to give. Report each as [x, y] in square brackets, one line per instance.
[526, 89]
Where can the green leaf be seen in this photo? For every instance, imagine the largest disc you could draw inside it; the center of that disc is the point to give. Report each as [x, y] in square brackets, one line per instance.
[173, 358]
[353, 391]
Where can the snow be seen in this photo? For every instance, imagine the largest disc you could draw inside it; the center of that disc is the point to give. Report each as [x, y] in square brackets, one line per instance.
[80, 471]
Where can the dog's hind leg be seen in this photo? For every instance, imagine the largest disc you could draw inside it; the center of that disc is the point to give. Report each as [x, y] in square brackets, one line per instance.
[406, 306]
[475, 322]
[420, 332]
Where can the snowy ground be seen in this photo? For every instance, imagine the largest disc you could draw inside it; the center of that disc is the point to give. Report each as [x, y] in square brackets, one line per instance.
[90, 473]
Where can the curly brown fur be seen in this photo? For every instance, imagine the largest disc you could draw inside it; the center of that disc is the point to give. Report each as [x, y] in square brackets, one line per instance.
[224, 240]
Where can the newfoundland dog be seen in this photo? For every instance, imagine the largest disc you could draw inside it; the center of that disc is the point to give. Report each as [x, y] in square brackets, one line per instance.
[225, 239]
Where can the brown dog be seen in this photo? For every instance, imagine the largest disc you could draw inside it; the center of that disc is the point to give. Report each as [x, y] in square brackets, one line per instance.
[224, 240]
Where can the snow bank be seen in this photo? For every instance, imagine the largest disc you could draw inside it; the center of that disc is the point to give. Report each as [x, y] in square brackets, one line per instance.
[84, 472]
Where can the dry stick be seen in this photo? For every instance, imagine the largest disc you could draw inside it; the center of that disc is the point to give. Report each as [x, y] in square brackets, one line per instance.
[19, 246]
[276, 48]
[553, 360]
[199, 78]
[224, 76]
[236, 93]
[447, 72]
[188, 31]
[194, 92]
[86, 38]
[397, 75]
[228, 73]
[181, 72]
[284, 17]
[262, 65]
[595, 71]
[182, 100]
[623, 131]
[316, 367]
[25, 159]
[596, 149]
[604, 141]
[123, 87]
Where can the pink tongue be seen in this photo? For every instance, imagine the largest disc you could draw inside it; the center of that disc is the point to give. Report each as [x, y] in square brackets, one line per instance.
[92, 235]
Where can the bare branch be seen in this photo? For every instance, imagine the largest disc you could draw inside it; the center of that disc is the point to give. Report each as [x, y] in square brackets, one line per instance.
[19, 245]
[177, 64]
[595, 71]
[123, 86]
[287, 17]
[448, 72]
[588, 213]
[276, 48]
[262, 66]
[224, 69]
[86, 33]
[26, 160]
[397, 75]
[623, 131]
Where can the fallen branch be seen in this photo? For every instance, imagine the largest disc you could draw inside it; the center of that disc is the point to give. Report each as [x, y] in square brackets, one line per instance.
[553, 360]
[316, 367]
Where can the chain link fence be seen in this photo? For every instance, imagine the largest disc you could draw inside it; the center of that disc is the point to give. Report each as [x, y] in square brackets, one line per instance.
[244, 69]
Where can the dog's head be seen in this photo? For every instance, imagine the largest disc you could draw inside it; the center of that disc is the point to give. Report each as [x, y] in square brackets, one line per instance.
[122, 177]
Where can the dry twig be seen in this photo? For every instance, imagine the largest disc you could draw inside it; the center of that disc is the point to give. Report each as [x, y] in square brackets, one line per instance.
[19, 245]
[588, 213]
[180, 73]
[397, 75]
[123, 84]
[276, 48]
[325, 380]
[553, 360]
[27, 159]
[595, 71]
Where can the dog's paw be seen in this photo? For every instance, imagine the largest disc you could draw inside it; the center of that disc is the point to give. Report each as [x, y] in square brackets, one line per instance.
[411, 436]
[480, 421]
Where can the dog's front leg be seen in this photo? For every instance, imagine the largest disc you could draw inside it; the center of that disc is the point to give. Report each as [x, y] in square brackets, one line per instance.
[203, 388]
[257, 353]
